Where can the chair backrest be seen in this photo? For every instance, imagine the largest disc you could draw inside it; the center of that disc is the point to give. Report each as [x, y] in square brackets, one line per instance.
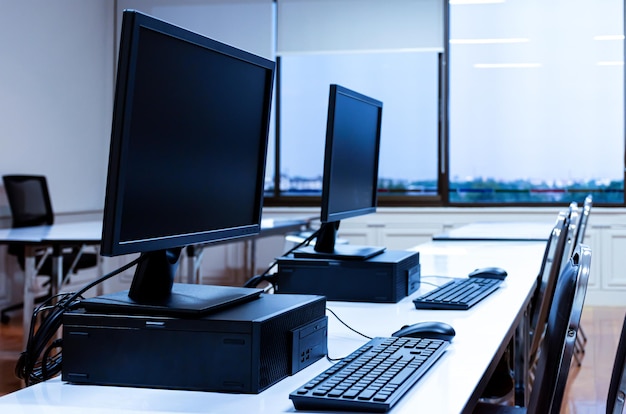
[546, 281]
[558, 345]
[617, 386]
[29, 200]
[584, 219]
[574, 218]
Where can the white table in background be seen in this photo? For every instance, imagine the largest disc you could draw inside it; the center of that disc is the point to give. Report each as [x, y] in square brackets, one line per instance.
[499, 231]
[55, 236]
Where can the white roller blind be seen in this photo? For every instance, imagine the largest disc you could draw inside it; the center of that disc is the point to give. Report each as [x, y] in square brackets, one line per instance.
[310, 26]
[245, 24]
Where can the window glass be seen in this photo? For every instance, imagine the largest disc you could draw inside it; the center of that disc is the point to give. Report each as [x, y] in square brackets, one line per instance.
[536, 110]
[406, 83]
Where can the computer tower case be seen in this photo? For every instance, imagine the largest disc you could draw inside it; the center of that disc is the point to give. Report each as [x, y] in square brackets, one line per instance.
[386, 278]
[244, 349]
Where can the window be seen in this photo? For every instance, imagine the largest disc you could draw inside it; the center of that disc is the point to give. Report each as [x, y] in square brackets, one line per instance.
[536, 104]
[387, 50]
[529, 108]
[406, 83]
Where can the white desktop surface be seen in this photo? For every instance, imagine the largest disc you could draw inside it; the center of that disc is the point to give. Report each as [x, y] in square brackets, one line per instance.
[84, 231]
[446, 388]
[89, 231]
[499, 231]
[22, 235]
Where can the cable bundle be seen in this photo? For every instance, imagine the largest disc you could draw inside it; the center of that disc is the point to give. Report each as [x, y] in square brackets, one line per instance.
[41, 360]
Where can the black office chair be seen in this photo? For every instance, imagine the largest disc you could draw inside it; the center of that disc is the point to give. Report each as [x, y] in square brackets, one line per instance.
[574, 232]
[557, 347]
[584, 219]
[574, 218]
[30, 205]
[545, 288]
[501, 384]
[580, 237]
[617, 386]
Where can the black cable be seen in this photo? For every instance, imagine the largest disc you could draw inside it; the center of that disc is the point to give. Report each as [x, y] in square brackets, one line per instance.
[438, 276]
[37, 362]
[428, 283]
[434, 284]
[264, 277]
[53, 364]
[348, 326]
[333, 360]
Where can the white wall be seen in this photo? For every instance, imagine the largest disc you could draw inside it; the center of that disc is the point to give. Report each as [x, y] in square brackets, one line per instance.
[56, 79]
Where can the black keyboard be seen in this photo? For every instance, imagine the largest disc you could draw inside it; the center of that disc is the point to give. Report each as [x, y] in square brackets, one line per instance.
[372, 378]
[459, 294]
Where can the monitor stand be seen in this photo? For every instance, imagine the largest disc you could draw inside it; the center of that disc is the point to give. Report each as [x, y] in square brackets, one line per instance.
[186, 301]
[340, 252]
[326, 246]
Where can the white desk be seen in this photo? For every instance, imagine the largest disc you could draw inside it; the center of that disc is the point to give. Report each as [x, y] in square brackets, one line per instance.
[90, 233]
[55, 236]
[451, 386]
[498, 231]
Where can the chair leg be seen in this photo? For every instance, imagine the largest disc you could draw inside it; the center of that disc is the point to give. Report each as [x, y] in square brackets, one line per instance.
[580, 346]
[581, 334]
[578, 358]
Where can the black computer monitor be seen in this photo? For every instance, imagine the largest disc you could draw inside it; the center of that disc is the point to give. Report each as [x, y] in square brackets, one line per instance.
[350, 186]
[187, 155]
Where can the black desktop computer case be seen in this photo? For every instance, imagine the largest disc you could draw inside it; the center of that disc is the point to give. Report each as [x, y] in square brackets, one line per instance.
[385, 278]
[244, 349]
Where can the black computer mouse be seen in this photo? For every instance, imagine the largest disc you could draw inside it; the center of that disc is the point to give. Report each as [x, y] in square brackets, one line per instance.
[435, 330]
[489, 272]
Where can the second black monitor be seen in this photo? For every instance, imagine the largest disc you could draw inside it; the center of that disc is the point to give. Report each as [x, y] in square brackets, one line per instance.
[350, 186]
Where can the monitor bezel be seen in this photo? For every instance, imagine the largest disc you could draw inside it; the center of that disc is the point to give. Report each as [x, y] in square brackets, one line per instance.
[111, 244]
[327, 216]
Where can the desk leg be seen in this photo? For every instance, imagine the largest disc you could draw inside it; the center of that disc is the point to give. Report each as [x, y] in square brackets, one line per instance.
[520, 355]
[30, 289]
[100, 264]
[248, 267]
[252, 272]
[57, 270]
[194, 258]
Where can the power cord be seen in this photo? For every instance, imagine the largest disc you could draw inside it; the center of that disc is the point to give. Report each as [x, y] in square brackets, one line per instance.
[42, 358]
[333, 360]
[434, 284]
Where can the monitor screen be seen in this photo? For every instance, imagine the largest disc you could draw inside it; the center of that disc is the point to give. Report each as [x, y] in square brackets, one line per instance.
[188, 147]
[350, 186]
